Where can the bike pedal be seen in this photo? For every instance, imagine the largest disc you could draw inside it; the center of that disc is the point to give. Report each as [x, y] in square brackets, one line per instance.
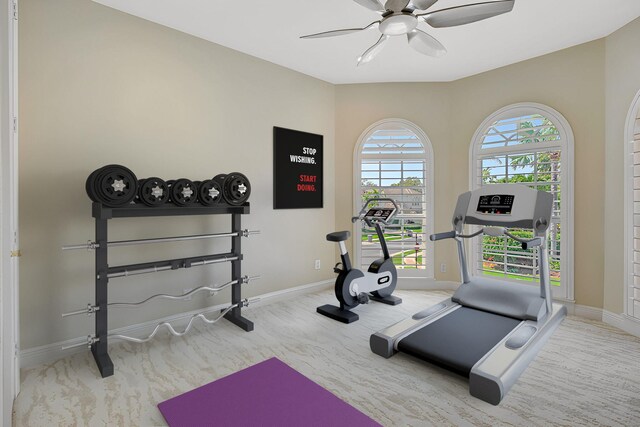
[363, 298]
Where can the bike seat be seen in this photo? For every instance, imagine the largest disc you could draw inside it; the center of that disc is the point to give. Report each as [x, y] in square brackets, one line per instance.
[338, 236]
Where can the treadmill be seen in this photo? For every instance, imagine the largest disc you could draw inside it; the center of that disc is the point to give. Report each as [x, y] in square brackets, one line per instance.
[490, 329]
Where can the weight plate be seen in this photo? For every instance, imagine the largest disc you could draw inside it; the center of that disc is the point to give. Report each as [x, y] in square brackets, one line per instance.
[196, 185]
[96, 184]
[116, 185]
[169, 185]
[154, 192]
[183, 192]
[220, 178]
[90, 185]
[136, 199]
[236, 189]
[209, 192]
[196, 189]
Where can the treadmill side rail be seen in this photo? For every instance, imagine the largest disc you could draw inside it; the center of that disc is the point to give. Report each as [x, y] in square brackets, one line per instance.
[492, 377]
[384, 343]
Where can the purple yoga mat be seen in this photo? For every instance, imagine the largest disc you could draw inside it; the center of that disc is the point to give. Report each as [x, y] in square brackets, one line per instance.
[267, 394]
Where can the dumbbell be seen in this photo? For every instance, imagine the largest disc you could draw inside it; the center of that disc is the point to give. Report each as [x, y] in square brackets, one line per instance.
[153, 192]
[183, 192]
[210, 192]
[236, 188]
[112, 185]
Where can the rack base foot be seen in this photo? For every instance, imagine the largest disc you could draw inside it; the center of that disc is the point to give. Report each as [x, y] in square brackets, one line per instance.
[238, 320]
[105, 365]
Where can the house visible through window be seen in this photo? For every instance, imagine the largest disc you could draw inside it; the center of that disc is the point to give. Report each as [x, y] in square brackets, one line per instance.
[393, 161]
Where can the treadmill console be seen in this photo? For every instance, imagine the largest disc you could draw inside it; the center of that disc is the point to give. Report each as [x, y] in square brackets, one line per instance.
[495, 204]
[504, 205]
[379, 214]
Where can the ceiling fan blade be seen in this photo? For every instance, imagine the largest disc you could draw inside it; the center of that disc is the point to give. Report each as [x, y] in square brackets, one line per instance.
[396, 5]
[467, 14]
[422, 4]
[425, 44]
[374, 5]
[342, 32]
[370, 53]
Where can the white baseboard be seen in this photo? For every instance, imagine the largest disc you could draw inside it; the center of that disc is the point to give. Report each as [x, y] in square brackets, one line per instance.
[622, 321]
[585, 311]
[51, 352]
[302, 289]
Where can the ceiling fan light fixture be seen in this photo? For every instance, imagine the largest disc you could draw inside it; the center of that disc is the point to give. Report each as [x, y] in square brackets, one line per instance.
[397, 25]
[398, 19]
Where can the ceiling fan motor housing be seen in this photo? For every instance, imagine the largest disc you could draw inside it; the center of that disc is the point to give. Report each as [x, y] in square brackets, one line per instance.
[398, 24]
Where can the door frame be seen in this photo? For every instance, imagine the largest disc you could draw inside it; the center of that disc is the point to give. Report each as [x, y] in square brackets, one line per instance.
[629, 130]
[9, 252]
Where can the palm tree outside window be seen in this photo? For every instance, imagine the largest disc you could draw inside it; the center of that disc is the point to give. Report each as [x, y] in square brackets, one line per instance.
[529, 146]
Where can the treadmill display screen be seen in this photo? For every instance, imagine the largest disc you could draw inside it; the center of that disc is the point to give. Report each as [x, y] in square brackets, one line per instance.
[379, 213]
[495, 204]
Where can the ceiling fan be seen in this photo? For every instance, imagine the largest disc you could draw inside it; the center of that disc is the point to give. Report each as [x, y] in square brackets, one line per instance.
[400, 17]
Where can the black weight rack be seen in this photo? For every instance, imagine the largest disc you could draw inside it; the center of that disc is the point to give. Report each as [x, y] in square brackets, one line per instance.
[102, 214]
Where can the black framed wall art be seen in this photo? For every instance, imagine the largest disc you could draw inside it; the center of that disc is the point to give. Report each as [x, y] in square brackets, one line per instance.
[297, 169]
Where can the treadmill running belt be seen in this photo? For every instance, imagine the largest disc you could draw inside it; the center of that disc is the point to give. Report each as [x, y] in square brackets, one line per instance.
[457, 341]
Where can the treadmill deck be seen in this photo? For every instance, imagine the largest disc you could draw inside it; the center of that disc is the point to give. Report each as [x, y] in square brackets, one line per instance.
[459, 340]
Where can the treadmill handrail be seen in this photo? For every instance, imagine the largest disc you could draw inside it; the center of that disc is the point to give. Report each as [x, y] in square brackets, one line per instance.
[469, 236]
[538, 241]
[442, 236]
[526, 243]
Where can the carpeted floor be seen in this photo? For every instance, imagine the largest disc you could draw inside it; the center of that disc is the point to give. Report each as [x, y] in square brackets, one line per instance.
[587, 374]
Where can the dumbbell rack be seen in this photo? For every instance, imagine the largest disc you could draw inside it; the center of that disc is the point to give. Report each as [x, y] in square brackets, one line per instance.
[103, 214]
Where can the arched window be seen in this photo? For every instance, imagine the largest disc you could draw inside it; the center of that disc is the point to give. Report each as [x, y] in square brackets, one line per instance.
[530, 144]
[632, 214]
[393, 158]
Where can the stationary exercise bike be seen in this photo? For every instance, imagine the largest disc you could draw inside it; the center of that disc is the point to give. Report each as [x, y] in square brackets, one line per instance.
[354, 287]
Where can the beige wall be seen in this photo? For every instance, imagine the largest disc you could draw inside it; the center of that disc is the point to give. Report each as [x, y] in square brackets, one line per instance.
[97, 87]
[622, 84]
[571, 81]
[428, 106]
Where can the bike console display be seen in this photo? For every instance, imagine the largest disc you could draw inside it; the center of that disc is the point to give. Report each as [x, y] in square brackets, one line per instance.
[379, 214]
[496, 204]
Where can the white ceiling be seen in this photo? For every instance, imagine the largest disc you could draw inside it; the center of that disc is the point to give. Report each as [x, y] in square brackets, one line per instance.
[270, 30]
